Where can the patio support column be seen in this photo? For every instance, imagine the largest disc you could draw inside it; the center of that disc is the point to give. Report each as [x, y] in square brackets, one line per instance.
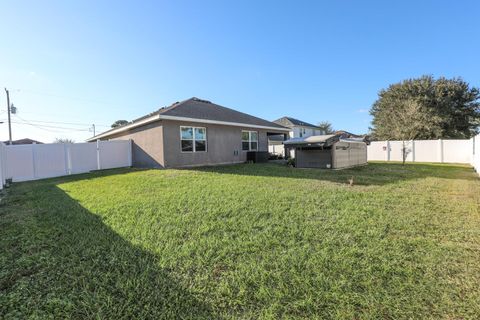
[285, 148]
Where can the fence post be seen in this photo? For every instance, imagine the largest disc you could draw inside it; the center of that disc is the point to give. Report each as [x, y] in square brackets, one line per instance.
[33, 160]
[68, 158]
[472, 161]
[98, 155]
[413, 150]
[130, 151]
[440, 141]
[388, 150]
[2, 173]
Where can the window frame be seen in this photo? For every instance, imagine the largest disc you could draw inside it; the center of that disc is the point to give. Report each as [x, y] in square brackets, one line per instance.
[249, 140]
[193, 139]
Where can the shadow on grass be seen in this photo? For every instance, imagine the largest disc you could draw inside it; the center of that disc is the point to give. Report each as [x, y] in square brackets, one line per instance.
[62, 261]
[371, 174]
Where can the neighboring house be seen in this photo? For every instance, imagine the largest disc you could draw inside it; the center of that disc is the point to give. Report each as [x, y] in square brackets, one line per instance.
[346, 134]
[298, 129]
[194, 132]
[23, 141]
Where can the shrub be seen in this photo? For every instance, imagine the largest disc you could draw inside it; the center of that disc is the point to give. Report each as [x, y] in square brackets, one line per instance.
[291, 162]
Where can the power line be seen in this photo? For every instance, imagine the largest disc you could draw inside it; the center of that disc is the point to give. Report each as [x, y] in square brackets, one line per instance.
[44, 127]
[59, 122]
[71, 123]
[69, 97]
[56, 115]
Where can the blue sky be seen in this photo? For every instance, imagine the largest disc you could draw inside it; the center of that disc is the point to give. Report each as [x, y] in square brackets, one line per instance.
[70, 64]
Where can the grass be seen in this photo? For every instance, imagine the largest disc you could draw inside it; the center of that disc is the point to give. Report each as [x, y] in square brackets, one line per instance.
[244, 242]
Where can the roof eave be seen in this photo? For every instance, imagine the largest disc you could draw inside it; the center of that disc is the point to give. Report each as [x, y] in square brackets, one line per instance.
[142, 122]
[227, 123]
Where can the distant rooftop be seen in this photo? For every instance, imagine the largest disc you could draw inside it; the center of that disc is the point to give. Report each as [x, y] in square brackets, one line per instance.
[24, 141]
[291, 122]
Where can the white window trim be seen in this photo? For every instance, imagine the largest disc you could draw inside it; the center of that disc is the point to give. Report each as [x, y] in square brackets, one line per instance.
[249, 140]
[193, 139]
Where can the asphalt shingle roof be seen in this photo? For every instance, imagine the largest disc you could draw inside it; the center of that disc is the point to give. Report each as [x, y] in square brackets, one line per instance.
[196, 108]
[290, 122]
[206, 110]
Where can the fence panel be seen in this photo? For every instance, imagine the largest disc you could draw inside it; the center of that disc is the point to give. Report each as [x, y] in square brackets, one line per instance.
[396, 151]
[83, 157]
[427, 151]
[457, 151]
[476, 153]
[19, 163]
[49, 160]
[38, 161]
[113, 154]
[377, 150]
[445, 151]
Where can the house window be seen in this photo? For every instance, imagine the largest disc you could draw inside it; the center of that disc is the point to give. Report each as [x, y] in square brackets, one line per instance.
[302, 132]
[249, 140]
[193, 139]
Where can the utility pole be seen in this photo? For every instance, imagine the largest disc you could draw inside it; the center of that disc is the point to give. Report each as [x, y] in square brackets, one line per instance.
[93, 127]
[9, 122]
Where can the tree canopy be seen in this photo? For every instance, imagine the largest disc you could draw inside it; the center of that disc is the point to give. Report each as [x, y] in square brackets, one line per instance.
[326, 127]
[426, 108]
[63, 140]
[119, 123]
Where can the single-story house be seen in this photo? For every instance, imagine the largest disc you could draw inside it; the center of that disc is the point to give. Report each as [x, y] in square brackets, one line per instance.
[194, 132]
[328, 151]
[23, 141]
[298, 129]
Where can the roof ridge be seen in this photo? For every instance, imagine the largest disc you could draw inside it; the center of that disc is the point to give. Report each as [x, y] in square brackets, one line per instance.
[173, 105]
[220, 106]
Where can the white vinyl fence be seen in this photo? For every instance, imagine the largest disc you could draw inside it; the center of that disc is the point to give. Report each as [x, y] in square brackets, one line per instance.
[38, 161]
[443, 151]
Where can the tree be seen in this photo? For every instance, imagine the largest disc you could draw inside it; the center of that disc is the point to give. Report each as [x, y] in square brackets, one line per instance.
[426, 108]
[326, 127]
[119, 123]
[63, 140]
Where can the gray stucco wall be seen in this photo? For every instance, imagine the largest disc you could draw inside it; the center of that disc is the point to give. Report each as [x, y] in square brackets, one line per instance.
[158, 145]
[147, 145]
[224, 145]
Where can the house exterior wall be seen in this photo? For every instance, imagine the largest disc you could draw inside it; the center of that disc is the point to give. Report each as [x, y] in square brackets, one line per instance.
[303, 132]
[158, 144]
[147, 145]
[224, 144]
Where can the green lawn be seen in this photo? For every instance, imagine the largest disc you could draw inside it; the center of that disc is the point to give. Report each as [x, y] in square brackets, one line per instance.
[244, 242]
